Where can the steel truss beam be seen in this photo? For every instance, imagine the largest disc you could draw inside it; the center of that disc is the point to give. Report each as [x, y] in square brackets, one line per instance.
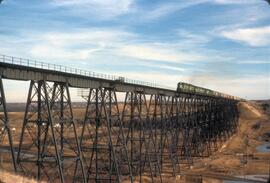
[66, 134]
[144, 157]
[103, 141]
[4, 125]
[38, 153]
[164, 121]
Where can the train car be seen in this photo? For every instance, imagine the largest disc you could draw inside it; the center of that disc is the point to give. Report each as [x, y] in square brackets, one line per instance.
[189, 88]
[185, 87]
[192, 89]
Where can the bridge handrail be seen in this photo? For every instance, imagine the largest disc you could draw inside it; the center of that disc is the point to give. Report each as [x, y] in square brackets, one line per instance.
[71, 70]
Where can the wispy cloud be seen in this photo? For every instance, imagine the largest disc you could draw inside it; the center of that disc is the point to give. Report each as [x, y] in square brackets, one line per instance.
[258, 36]
[254, 62]
[110, 9]
[77, 44]
[195, 39]
[83, 44]
[159, 53]
[99, 8]
[164, 9]
[95, 46]
[223, 2]
[113, 8]
[162, 67]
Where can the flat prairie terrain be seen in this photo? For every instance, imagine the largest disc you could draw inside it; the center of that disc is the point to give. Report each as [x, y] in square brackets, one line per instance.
[239, 156]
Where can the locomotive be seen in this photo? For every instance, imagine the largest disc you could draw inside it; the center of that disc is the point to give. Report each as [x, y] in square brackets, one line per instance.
[183, 87]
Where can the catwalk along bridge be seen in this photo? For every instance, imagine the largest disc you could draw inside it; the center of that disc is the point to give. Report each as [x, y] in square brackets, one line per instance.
[131, 129]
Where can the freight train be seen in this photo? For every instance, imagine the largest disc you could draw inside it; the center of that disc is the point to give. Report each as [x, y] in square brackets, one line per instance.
[196, 90]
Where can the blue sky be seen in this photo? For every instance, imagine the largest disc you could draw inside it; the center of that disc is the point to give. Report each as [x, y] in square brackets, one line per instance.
[219, 44]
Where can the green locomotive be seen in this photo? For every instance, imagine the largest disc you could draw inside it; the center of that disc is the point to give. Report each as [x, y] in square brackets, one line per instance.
[192, 89]
[189, 88]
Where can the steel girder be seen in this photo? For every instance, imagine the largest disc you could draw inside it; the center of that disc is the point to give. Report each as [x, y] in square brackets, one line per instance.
[141, 136]
[49, 146]
[4, 125]
[102, 139]
[38, 153]
[71, 159]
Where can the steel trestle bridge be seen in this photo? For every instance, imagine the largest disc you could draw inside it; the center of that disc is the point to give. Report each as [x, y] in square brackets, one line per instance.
[152, 133]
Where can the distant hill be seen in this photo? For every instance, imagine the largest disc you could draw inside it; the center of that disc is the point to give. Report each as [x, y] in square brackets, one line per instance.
[16, 107]
[265, 105]
[20, 107]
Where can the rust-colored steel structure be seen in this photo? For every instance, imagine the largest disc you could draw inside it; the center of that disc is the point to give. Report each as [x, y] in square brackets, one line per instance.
[130, 130]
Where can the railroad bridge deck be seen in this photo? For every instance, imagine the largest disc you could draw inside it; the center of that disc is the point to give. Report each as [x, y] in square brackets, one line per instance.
[24, 69]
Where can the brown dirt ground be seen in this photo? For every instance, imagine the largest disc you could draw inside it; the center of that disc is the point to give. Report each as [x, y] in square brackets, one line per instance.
[6, 177]
[230, 159]
[254, 122]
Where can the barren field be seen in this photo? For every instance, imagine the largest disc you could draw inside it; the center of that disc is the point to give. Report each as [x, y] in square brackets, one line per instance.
[246, 153]
[240, 155]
